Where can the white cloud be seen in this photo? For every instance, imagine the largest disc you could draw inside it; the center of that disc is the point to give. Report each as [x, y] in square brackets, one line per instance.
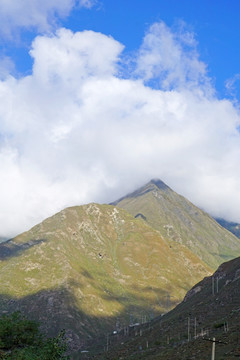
[88, 3]
[75, 132]
[230, 85]
[171, 58]
[68, 59]
[6, 66]
[42, 15]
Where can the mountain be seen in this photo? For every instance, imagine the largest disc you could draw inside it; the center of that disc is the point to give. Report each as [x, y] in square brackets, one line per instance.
[230, 226]
[179, 221]
[94, 268]
[211, 309]
[2, 239]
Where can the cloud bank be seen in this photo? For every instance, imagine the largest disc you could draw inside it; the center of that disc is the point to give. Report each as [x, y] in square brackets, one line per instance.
[78, 129]
[41, 15]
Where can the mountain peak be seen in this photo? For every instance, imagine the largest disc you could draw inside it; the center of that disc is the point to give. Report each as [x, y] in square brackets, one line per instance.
[150, 186]
[179, 221]
[160, 184]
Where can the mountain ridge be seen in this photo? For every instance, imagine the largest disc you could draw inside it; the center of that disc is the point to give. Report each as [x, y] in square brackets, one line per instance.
[178, 220]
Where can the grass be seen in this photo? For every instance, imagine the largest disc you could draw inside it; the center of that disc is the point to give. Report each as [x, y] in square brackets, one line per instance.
[96, 264]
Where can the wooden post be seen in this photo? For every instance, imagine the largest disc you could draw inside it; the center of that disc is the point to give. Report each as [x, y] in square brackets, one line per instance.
[188, 329]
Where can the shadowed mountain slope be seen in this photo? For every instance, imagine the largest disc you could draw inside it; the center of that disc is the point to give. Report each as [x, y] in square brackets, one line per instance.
[211, 309]
[92, 268]
[179, 221]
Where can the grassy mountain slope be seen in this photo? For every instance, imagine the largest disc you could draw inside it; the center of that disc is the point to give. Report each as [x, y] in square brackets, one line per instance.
[183, 333]
[92, 268]
[179, 221]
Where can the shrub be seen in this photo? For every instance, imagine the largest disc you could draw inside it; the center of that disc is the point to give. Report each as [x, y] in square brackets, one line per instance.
[20, 339]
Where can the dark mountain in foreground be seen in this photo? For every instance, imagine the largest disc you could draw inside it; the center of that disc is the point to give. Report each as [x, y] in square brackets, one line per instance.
[211, 309]
[179, 221]
[92, 268]
[230, 226]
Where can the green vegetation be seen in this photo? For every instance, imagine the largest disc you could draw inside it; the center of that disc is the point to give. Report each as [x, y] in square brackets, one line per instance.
[88, 267]
[20, 339]
[218, 325]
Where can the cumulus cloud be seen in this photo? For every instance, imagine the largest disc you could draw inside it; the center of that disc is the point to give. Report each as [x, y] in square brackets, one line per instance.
[76, 130]
[230, 85]
[171, 58]
[7, 66]
[42, 15]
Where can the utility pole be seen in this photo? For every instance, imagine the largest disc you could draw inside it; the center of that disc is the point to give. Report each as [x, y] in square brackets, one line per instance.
[213, 349]
[168, 301]
[195, 328]
[117, 325]
[214, 341]
[188, 329]
[107, 342]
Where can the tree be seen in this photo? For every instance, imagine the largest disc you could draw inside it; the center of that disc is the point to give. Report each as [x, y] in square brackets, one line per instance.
[20, 339]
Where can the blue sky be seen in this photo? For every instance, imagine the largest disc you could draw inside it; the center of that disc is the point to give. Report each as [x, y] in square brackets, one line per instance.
[215, 24]
[97, 97]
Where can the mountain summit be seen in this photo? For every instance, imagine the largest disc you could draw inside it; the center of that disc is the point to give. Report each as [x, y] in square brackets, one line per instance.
[150, 186]
[178, 220]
